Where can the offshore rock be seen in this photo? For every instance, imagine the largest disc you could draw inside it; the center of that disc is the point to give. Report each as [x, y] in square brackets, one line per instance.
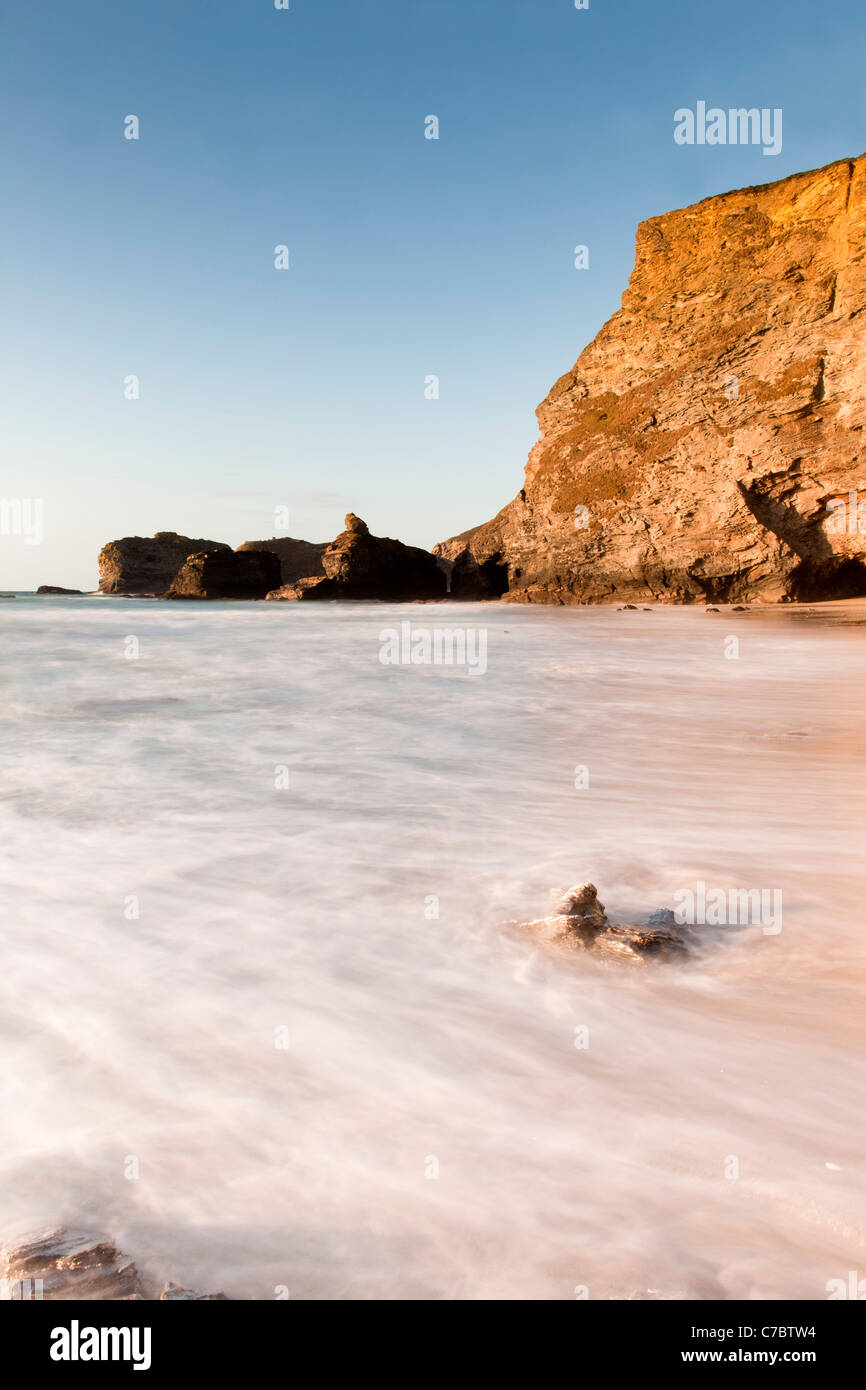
[226, 574]
[147, 565]
[581, 923]
[359, 565]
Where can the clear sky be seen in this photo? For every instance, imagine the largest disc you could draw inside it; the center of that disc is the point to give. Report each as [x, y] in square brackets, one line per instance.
[305, 388]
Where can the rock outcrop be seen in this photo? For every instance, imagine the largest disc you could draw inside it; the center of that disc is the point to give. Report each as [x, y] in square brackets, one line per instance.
[146, 565]
[298, 559]
[55, 589]
[226, 574]
[580, 923]
[360, 566]
[61, 1264]
[708, 444]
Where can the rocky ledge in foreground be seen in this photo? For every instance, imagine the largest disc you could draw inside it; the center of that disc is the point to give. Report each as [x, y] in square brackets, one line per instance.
[581, 924]
[358, 565]
[226, 574]
[63, 1264]
[146, 565]
[708, 444]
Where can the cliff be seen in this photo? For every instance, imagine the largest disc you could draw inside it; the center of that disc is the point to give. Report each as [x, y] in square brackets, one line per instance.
[708, 443]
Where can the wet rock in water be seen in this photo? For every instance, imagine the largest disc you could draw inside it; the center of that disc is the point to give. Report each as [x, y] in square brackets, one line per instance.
[226, 574]
[176, 1293]
[580, 922]
[581, 902]
[62, 1264]
[55, 589]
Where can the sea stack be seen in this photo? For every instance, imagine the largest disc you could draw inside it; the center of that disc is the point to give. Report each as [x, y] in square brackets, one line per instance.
[358, 565]
[226, 574]
[146, 565]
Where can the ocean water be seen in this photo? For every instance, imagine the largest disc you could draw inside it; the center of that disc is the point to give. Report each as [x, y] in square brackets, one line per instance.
[237, 1036]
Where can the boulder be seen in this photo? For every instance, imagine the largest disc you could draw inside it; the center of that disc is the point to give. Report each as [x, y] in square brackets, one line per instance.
[142, 565]
[226, 574]
[580, 923]
[54, 589]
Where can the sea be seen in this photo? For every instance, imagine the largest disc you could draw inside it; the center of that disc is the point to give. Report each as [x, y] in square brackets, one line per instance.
[269, 1016]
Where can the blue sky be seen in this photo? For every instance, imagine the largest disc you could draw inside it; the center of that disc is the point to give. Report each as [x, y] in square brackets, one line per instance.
[409, 257]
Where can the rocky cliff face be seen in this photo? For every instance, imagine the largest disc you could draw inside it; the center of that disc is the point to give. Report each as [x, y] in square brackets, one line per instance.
[709, 442]
[147, 564]
[298, 559]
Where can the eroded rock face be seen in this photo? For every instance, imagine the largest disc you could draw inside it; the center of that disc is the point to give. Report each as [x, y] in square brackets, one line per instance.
[298, 559]
[146, 565]
[704, 446]
[581, 923]
[226, 574]
[63, 1264]
[358, 565]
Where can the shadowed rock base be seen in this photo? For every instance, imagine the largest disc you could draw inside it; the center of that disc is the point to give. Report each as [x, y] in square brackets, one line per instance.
[226, 574]
[63, 1264]
[580, 923]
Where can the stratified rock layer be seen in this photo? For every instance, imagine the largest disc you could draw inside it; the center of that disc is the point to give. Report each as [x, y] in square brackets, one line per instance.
[226, 574]
[146, 565]
[59, 1264]
[706, 444]
[360, 566]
